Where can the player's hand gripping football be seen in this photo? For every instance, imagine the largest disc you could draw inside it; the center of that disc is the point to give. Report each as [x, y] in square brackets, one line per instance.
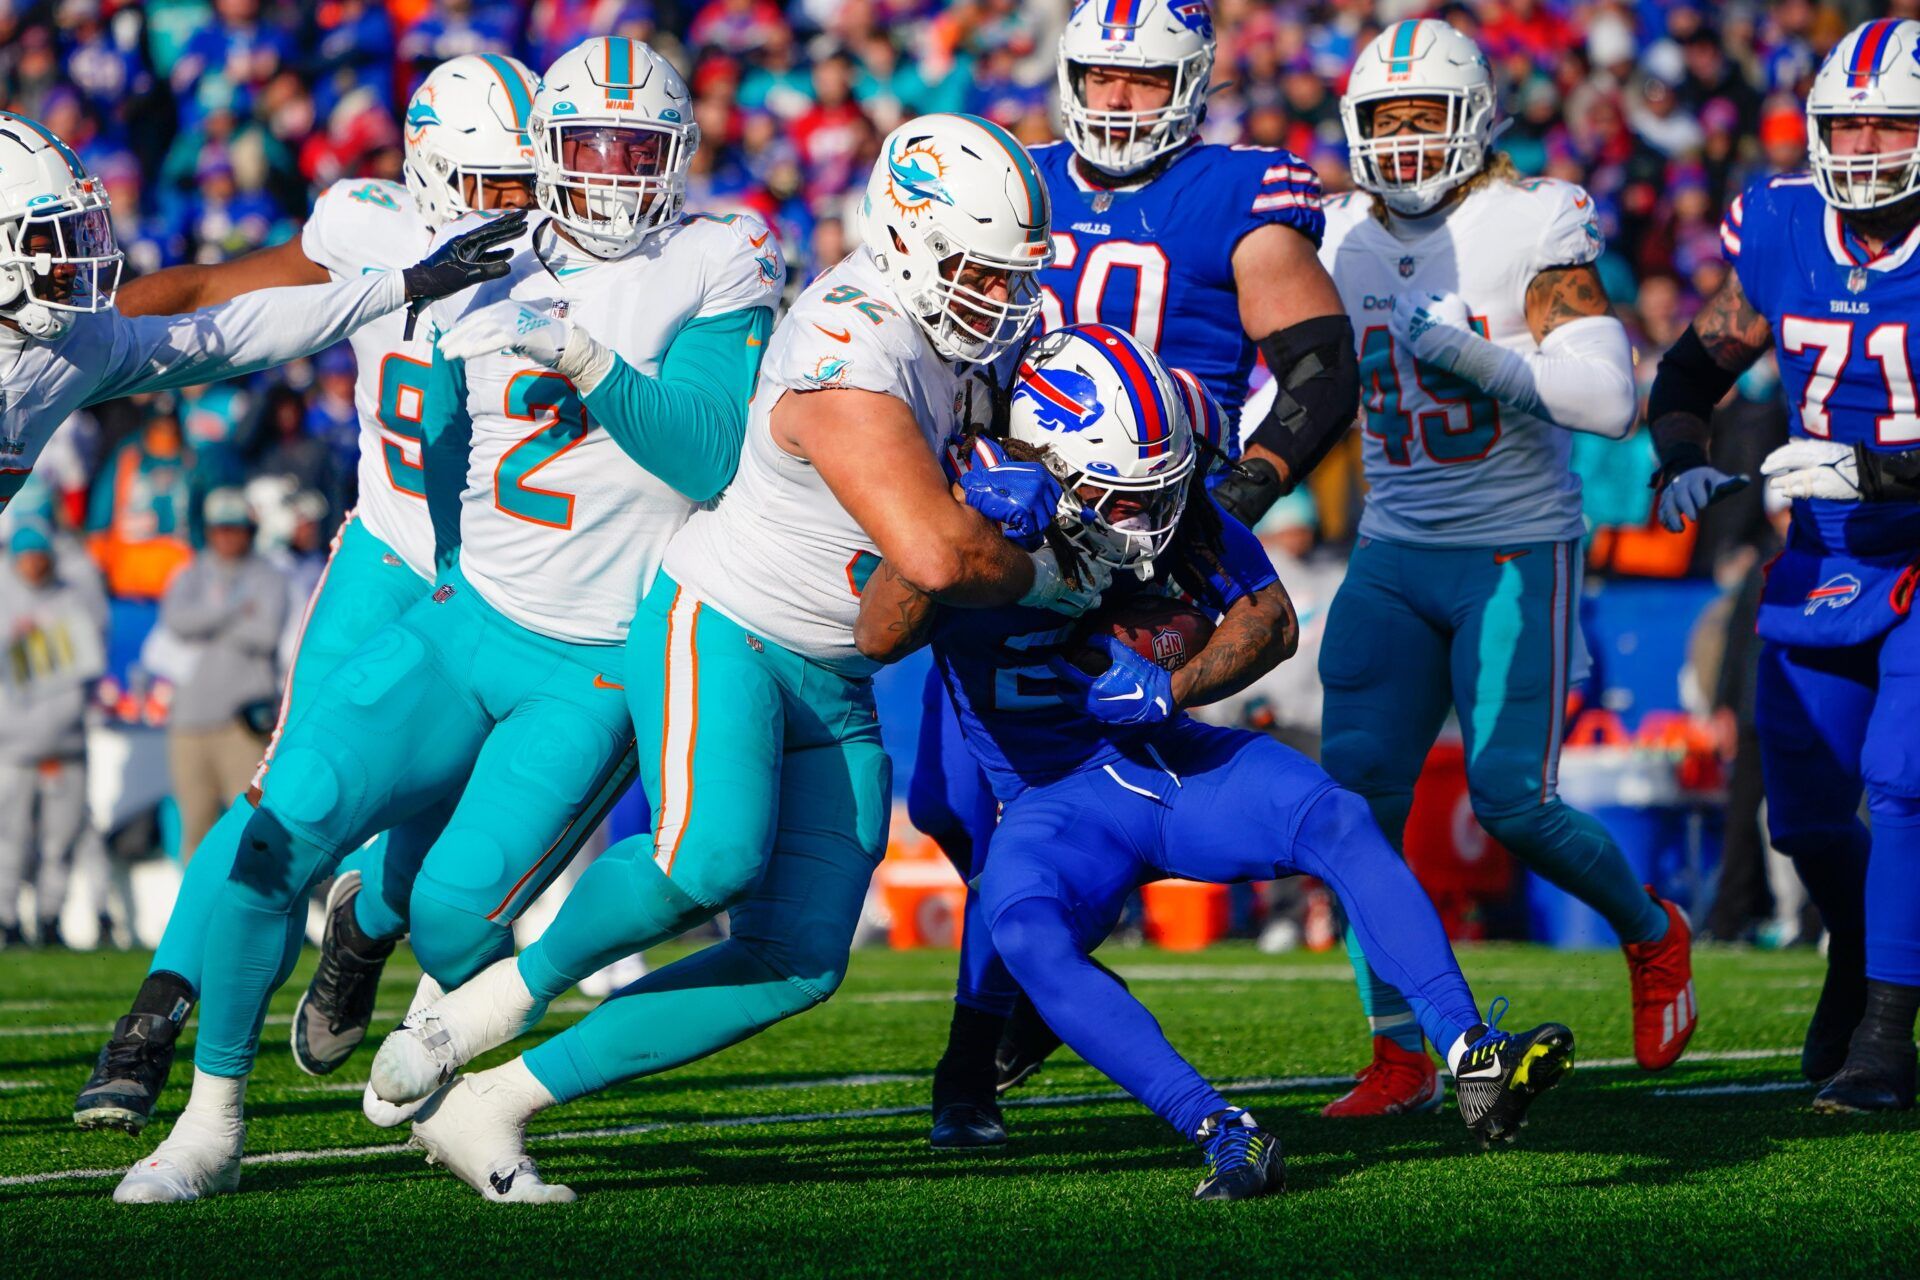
[508, 326]
[464, 261]
[1134, 690]
[1814, 469]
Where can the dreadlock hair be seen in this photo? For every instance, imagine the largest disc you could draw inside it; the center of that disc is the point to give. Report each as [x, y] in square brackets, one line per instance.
[1065, 550]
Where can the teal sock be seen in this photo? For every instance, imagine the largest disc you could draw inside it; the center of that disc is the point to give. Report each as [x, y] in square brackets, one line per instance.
[184, 943]
[1388, 1013]
[623, 903]
[1573, 851]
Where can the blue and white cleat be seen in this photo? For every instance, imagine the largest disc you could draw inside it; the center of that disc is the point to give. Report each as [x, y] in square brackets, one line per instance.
[1243, 1160]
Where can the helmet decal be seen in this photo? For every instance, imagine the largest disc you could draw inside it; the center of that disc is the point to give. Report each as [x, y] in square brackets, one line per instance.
[914, 171]
[1062, 400]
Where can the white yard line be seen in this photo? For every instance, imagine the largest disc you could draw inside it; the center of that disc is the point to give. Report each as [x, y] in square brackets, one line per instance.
[1719, 1090]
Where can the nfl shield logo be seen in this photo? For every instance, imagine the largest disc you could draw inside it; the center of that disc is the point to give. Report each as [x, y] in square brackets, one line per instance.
[558, 310]
[1856, 280]
[1102, 201]
[1170, 649]
[1406, 267]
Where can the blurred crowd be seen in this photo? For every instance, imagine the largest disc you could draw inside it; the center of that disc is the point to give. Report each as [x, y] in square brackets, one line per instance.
[214, 123]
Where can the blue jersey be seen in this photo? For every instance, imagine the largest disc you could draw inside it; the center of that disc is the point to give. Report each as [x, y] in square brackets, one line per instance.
[994, 663]
[1156, 259]
[1841, 319]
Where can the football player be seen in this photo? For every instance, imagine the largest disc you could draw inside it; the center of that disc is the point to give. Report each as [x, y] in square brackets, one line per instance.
[467, 149]
[1206, 254]
[1485, 338]
[1106, 784]
[1824, 275]
[758, 739]
[566, 433]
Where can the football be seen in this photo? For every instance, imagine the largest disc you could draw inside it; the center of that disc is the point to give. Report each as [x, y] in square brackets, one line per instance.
[1164, 630]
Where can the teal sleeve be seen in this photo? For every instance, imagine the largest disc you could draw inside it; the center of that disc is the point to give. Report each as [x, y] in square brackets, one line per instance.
[445, 434]
[686, 425]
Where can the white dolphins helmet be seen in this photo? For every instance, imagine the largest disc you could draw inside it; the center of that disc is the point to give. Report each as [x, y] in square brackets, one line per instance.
[959, 193]
[1115, 429]
[1145, 35]
[615, 106]
[1418, 59]
[57, 252]
[1875, 71]
[468, 119]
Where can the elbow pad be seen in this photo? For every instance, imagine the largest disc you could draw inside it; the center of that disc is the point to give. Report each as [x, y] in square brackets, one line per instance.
[1688, 381]
[1319, 392]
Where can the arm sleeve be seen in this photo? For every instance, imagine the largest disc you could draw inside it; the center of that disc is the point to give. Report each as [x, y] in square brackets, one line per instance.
[687, 424]
[254, 331]
[446, 433]
[1580, 378]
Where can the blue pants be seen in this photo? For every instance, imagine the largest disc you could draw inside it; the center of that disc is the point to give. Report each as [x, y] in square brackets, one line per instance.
[364, 587]
[1489, 632]
[1202, 803]
[1835, 722]
[453, 695]
[948, 799]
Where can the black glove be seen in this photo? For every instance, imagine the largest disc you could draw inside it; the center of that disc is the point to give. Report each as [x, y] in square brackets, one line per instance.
[464, 261]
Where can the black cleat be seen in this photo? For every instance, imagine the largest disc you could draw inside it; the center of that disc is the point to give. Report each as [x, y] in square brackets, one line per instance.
[129, 1074]
[1878, 1076]
[1243, 1160]
[337, 1007]
[1500, 1075]
[1028, 1040]
[967, 1126]
[1843, 999]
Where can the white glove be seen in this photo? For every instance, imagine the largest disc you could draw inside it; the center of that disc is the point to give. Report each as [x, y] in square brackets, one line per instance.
[1814, 469]
[508, 326]
[1432, 325]
[1051, 590]
[1692, 491]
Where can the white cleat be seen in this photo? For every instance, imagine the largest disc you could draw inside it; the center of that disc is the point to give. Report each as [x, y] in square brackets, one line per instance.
[479, 1132]
[187, 1166]
[378, 1110]
[433, 1043]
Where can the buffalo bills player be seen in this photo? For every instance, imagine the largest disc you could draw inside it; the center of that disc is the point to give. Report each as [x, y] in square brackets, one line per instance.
[1823, 273]
[1106, 783]
[1206, 255]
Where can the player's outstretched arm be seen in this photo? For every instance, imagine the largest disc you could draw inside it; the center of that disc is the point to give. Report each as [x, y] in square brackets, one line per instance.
[1257, 633]
[1290, 308]
[895, 616]
[193, 286]
[870, 453]
[1726, 337]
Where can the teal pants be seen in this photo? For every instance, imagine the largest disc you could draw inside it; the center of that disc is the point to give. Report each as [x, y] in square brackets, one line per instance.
[452, 695]
[770, 796]
[1491, 633]
[365, 586]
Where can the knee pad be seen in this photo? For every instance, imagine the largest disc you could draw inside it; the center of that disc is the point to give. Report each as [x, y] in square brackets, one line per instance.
[452, 942]
[809, 974]
[275, 866]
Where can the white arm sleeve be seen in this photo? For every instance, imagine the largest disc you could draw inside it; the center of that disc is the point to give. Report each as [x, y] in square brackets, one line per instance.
[254, 331]
[1580, 378]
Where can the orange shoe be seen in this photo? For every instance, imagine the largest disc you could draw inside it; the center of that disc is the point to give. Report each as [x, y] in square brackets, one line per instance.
[1394, 1083]
[1664, 1010]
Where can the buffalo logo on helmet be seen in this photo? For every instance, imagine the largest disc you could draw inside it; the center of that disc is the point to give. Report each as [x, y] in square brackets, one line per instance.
[914, 176]
[1835, 593]
[1061, 399]
[1195, 16]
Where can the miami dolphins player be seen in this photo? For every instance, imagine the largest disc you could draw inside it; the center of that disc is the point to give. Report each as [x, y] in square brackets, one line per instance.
[1206, 254]
[63, 346]
[1824, 275]
[467, 149]
[556, 465]
[1485, 338]
[1105, 783]
[758, 739]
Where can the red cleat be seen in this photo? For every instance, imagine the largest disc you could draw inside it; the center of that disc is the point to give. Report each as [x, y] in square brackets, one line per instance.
[1394, 1083]
[1664, 1010]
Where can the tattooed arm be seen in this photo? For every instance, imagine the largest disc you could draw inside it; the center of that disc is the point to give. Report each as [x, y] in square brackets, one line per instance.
[1724, 339]
[1560, 294]
[1258, 633]
[895, 616]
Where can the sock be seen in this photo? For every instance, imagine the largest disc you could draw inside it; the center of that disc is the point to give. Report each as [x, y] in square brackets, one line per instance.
[1458, 1049]
[216, 1105]
[966, 1070]
[515, 1088]
[1401, 1028]
[165, 994]
[1573, 851]
[1891, 1007]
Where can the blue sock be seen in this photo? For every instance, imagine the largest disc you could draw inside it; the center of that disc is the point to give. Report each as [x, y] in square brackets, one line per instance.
[1832, 863]
[1097, 1017]
[184, 943]
[984, 981]
[1893, 890]
[1572, 850]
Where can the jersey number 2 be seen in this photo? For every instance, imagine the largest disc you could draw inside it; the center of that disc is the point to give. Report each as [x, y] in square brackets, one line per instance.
[549, 400]
[1462, 424]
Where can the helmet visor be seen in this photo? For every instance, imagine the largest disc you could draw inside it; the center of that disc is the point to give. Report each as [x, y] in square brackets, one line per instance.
[616, 180]
[72, 261]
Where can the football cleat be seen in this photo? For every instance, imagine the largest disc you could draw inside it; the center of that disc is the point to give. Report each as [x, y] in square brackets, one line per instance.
[1843, 999]
[967, 1126]
[1500, 1075]
[1243, 1160]
[377, 1110]
[1878, 1076]
[1398, 1081]
[478, 1131]
[128, 1075]
[335, 1010]
[435, 1042]
[193, 1163]
[1664, 1011]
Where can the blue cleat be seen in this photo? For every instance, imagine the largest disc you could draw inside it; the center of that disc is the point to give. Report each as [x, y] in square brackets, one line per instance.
[1243, 1160]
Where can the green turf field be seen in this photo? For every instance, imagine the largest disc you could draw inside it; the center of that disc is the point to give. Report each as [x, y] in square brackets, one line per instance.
[803, 1152]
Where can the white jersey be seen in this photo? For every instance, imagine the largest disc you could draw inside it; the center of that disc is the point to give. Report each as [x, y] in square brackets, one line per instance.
[105, 354]
[1446, 464]
[559, 529]
[360, 225]
[778, 554]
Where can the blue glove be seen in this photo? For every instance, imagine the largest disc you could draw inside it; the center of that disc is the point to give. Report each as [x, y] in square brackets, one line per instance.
[1692, 491]
[1020, 496]
[1131, 691]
